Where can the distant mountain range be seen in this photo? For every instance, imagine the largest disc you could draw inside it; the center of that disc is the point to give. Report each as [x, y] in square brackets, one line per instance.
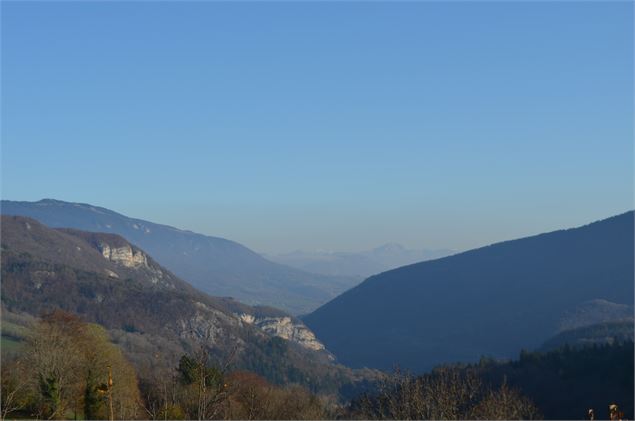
[361, 264]
[492, 301]
[148, 310]
[214, 265]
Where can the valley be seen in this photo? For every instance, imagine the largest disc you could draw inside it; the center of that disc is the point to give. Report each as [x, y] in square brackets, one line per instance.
[344, 350]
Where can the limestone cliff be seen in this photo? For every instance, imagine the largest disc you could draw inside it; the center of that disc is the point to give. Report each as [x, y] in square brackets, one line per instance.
[124, 255]
[287, 328]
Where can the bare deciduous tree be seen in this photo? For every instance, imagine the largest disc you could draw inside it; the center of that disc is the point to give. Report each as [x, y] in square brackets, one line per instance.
[445, 394]
[14, 387]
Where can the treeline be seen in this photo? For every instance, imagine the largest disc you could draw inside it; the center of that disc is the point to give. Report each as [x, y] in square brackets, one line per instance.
[68, 369]
[198, 389]
[447, 393]
[560, 384]
[566, 382]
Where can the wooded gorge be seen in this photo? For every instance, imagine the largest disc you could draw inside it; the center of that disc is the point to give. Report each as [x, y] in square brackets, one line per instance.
[68, 369]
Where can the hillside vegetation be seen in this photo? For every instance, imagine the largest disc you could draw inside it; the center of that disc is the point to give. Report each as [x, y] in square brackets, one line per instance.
[68, 369]
[213, 265]
[494, 300]
[559, 384]
[154, 316]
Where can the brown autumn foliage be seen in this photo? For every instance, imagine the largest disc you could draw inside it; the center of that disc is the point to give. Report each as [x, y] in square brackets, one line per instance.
[251, 397]
[64, 364]
[14, 392]
[65, 361]
[200, 389]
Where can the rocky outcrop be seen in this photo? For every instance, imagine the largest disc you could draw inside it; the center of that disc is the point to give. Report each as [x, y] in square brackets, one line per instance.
[124, 255]
[210, 326]
[286, 328]
[131, 258]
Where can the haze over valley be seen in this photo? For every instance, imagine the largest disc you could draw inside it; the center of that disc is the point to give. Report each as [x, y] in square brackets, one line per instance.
[417, 317]
[317, 210]
[214, 265]
[357, 264]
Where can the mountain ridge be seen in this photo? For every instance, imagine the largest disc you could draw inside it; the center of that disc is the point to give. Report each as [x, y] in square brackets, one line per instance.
[214, 265]
[148, 310]
[483, 299]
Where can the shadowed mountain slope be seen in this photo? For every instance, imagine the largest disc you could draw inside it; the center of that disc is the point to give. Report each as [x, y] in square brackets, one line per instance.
[493, 301]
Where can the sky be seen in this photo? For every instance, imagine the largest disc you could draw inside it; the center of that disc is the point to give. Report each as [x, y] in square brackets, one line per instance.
[324, 125]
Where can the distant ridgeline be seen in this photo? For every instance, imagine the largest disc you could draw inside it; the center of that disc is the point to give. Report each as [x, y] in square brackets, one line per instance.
[495, 300]
[360, 264]
[214, 265]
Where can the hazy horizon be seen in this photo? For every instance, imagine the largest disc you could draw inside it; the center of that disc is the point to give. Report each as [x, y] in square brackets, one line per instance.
[334, 126]
[281, 252]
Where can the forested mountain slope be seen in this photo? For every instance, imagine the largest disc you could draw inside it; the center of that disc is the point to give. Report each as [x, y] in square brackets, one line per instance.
[148, 310]
[494, 300]
[214, 265]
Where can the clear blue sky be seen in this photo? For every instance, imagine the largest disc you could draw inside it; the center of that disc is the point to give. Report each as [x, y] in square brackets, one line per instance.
[324, 125]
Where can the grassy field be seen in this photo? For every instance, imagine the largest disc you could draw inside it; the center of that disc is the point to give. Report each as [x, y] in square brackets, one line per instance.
[13, 335]
[10, 345]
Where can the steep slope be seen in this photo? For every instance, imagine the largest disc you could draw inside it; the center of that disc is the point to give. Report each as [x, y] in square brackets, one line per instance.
[214, 265]
[360, 264]
[148, 310]
[492, 301]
